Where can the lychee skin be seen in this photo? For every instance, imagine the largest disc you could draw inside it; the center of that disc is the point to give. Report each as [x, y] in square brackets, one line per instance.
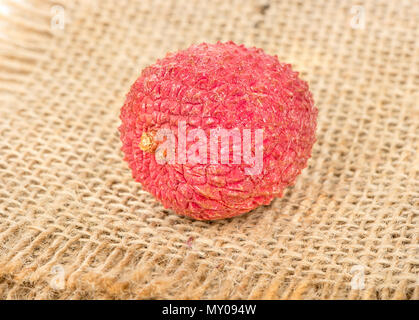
[219, 85]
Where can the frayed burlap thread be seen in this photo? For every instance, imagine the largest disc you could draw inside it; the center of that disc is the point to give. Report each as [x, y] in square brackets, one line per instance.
[74, 224]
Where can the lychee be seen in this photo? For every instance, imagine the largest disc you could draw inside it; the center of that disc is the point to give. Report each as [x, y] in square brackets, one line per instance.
[216, 130]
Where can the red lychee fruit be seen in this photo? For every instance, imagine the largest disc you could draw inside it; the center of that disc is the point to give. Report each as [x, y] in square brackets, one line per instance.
[216, 130]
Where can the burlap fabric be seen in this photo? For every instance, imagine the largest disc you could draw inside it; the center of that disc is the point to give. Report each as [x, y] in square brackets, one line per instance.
[73, 223]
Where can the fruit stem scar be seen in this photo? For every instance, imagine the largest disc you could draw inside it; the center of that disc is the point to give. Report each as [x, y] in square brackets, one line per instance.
[147, 142]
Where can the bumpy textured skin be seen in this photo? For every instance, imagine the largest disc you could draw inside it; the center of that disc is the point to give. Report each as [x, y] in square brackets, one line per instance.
[219, 85]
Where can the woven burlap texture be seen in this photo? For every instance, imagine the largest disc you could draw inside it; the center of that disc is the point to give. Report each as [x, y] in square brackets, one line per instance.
[73, 222]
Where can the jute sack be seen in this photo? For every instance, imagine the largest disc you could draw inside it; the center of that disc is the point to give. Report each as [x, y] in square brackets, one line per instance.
[74, 224]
